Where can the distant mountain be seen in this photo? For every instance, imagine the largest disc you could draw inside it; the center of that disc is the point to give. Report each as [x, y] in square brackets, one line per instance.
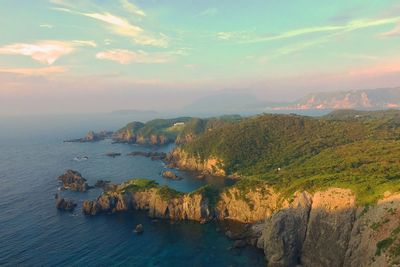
[359, 99]
[227, 103]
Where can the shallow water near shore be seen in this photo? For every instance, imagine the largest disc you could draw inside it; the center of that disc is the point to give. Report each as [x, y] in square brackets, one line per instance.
[34, 233]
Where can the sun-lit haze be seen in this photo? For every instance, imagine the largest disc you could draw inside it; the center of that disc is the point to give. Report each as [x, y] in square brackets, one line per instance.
[62, 56]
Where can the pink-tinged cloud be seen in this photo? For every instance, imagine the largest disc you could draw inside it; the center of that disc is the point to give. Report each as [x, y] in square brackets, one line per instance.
[123, 56]
[34, 71]
[46, 52]
[392, 33]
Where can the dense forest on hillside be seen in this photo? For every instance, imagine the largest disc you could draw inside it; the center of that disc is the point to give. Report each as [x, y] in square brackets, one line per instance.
[352, 149]
[172, 130]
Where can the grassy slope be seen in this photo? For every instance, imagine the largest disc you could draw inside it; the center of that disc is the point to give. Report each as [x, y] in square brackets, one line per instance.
[348, 150]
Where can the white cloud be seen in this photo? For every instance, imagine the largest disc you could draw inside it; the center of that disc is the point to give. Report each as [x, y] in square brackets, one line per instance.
[46, 52]
[350, 26]
[123, 56]
[34, 71]
[85, 43]
[121, 26]
[132, 8]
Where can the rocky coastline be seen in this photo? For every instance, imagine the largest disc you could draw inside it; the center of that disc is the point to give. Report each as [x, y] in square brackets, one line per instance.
[326, 228]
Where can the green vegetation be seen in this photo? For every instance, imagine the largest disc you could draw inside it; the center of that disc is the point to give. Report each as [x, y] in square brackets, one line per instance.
[375, 226]
[210, 192]
[166, 193]
[382, 245]
[348, 149]
[172, 129]
[135, 185]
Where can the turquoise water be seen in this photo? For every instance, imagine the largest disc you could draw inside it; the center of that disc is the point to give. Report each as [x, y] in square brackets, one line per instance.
[34, 233]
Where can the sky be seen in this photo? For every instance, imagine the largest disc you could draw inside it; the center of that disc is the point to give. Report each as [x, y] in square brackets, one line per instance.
[59, 56]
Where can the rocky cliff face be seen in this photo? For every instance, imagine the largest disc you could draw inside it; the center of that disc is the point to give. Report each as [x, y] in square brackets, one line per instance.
[182, 207]
[180, 159]
[247, 207]
[126, 136]
[326, 228]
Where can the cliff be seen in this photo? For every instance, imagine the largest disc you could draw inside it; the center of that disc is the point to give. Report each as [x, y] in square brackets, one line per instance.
[160, 202]
[178, 158]
[329, 229]
[325, 228]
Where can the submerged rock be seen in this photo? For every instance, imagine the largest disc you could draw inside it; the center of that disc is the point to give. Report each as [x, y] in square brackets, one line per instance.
[139, 229]
[239, 243]
[113, 154]
[74, 181]
[152, 155]
[65, 204]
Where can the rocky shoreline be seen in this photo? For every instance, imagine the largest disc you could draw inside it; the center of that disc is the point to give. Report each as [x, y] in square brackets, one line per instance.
[326, 228]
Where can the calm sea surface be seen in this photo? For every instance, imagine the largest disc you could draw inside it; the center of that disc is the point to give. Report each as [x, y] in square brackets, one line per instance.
[34, 233]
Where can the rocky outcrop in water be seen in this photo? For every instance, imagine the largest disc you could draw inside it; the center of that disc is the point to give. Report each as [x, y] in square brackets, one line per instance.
[74, 181]
[170, 175]
[113, 154]
[65, 204]
[92, 137]
[153, 155]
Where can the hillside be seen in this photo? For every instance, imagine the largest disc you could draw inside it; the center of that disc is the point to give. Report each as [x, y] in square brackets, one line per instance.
[302, 153]
[163, 131]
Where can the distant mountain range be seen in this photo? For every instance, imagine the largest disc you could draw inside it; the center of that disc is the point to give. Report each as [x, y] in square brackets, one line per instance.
[358, 99]
[248, 104]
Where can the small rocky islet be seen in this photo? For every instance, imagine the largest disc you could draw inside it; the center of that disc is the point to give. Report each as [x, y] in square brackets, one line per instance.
[73, 180]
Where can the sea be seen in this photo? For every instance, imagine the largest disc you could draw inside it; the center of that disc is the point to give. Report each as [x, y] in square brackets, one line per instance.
[34, 233]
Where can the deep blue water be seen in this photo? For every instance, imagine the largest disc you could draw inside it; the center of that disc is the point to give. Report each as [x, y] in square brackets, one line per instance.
[34, 233]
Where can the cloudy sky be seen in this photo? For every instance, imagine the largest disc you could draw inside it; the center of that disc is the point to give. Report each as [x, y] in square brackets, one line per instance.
[86, 56]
